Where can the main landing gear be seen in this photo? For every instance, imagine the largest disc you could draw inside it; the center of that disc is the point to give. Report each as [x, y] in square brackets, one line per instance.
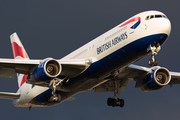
[53, 85]
[154, 50]
[116, 101]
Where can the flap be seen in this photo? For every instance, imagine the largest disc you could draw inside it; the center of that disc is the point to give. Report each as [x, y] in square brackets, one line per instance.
[132, 71]
[74, 67]
[8, 73]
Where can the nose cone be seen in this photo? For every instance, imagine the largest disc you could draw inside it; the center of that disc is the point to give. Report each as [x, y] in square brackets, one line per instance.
[165, 26]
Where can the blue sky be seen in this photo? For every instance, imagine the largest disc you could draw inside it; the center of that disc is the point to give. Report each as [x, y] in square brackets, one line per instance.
[54, 28]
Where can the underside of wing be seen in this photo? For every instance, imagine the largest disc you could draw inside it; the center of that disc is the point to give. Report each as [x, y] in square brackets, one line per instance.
[119, 79]
[74, 67]
[149, 79]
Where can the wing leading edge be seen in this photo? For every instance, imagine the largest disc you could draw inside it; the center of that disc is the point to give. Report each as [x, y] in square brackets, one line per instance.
[26, 66]
[9, 95]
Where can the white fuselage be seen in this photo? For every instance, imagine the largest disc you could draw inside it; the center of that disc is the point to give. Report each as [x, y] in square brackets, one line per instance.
[117, 39]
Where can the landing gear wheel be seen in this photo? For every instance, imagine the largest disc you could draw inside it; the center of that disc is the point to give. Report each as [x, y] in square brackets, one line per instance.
[150, 62]
[155, 62]
[121, 103]
[59, 98]
[55, 98]
[109, 101]
[113, 102]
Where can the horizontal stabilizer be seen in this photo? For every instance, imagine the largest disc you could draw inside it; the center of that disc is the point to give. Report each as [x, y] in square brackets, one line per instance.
[9, 95]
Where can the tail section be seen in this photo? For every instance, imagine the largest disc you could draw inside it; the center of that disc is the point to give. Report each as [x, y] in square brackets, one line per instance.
[18, 50]
[19, 53]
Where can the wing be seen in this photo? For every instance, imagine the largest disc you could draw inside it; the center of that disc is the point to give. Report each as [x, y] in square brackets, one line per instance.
[8, 67]
[9, 95]
[175, 78]
[119, 80]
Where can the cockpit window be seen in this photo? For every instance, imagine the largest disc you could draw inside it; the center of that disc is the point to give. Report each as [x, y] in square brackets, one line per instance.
[147, 18]
[158, 16]
[152, 16]
[164, 16]
[155, 16]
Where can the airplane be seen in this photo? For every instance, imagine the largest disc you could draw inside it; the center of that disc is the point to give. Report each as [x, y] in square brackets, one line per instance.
[104, 64]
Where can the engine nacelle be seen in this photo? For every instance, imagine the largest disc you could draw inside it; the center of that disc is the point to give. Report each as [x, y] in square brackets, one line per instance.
[156, 79]
[46, 71]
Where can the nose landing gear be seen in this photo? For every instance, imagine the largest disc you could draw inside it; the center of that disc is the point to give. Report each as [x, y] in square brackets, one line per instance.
[153, 61]
[154, 50]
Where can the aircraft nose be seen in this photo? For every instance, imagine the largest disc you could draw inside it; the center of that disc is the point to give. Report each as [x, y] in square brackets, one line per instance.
[165, 26]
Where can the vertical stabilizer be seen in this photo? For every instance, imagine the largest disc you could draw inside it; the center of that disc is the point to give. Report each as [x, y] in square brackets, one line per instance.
[19, 53]
[18, 50]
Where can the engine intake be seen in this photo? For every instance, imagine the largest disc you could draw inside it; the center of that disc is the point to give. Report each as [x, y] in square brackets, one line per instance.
[156, 79]
[46, 71]
[52, 68]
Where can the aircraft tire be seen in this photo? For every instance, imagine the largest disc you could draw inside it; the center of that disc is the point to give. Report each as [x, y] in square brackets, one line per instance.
[109, 101]
[150, 62]
[59, 98]
[114, 102]
[155, 62]
[121, 103]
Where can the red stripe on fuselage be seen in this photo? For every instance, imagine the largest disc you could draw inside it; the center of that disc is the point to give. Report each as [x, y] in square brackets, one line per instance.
[18, 50]
[131, 20]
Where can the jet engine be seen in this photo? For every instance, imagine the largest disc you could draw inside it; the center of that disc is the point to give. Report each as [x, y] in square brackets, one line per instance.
[156, 79]
[46, 71]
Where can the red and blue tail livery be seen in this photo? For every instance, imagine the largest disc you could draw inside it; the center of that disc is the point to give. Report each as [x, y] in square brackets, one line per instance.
[18, 51]
[17, 47]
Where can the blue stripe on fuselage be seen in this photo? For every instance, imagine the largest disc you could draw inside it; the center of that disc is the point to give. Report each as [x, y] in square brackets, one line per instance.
[122, 57]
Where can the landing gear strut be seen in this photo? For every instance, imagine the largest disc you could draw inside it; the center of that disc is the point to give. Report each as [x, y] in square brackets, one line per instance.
[116, 101]
[154, 50]
[53, 85]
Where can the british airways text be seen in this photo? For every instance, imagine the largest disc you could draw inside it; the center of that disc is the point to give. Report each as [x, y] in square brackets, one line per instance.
[109, 44]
